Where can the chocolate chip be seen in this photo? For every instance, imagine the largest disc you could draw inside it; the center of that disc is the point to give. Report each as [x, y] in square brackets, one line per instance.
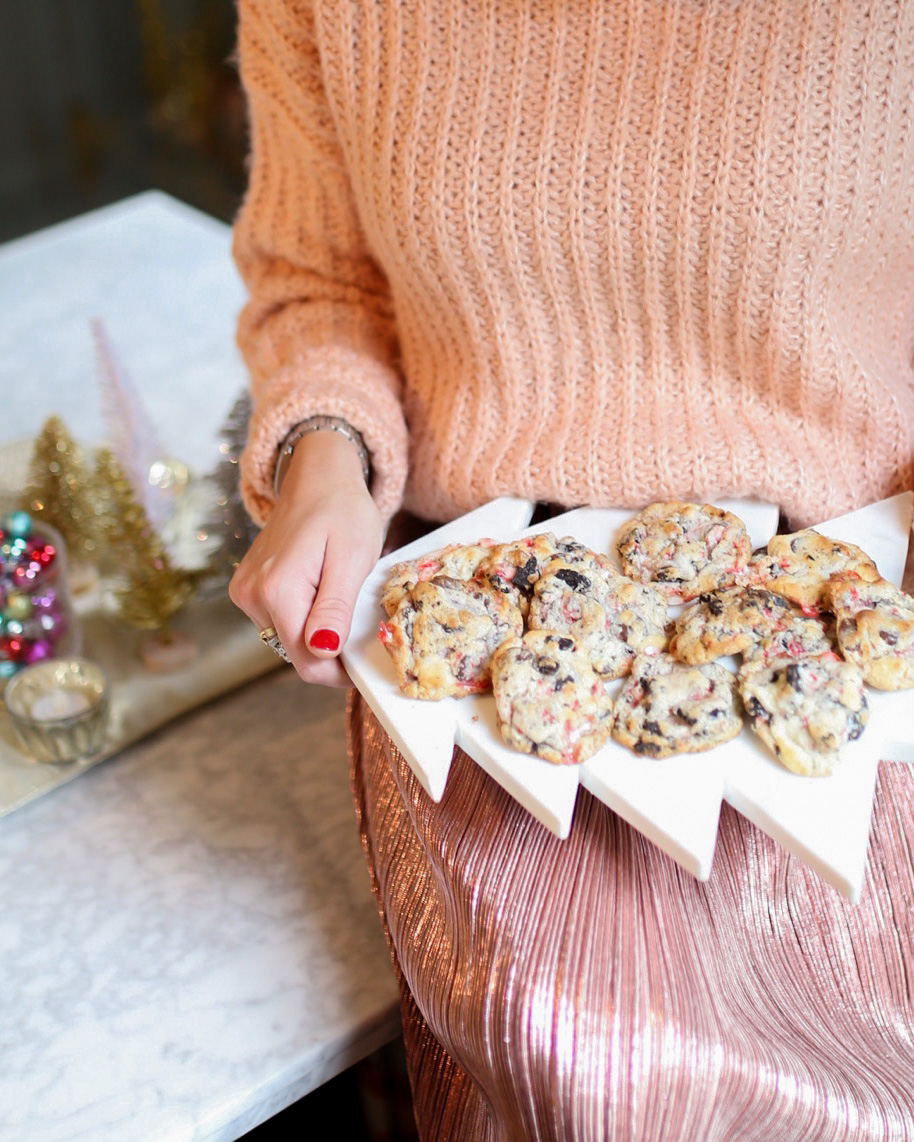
[684, 717]
[547, 666]
[647, 747]
[755, 709]
[766, 599]
[573, 579]
[794, 676]
[855, 726]
[524, 575]
[888, 637]
[499, 583]
[653, 728]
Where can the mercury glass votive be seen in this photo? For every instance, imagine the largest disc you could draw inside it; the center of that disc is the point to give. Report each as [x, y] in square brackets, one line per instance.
[59, 708]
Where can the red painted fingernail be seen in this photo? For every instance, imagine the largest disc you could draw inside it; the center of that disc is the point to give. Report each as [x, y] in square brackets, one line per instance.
[325, 640]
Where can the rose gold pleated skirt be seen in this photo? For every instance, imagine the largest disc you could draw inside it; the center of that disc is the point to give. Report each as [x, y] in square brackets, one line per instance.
[592, 989]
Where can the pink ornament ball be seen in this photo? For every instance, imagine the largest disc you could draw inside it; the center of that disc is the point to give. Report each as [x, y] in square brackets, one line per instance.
[45, 600]
[39, 650]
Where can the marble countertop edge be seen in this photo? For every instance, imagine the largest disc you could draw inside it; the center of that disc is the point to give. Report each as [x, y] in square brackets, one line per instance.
[287, 1089]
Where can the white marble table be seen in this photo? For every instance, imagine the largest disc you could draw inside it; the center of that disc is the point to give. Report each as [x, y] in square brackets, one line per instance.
[158, 274]
[187, 934]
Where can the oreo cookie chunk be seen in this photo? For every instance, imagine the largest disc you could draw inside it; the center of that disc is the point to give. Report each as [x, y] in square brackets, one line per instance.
[611, 618]
[667, 707]
[728, 621]
[799, 565]
[457, 561]
[443, 634]
[548, 700]
[806, 710]
[684, 549]
[875, 629]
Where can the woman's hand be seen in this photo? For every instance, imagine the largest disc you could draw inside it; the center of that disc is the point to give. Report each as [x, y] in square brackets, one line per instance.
[303, 572]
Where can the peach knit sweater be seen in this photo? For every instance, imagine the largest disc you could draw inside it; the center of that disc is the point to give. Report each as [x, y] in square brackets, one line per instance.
[588, 251]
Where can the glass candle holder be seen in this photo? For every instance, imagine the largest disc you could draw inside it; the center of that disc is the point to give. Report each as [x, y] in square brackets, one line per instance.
[37, 621]
[59, 709]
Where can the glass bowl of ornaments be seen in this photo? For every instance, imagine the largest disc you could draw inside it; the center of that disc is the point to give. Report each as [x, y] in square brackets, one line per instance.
[37, 620]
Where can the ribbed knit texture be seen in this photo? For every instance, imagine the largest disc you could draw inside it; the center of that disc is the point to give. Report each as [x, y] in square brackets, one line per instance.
[593, 252]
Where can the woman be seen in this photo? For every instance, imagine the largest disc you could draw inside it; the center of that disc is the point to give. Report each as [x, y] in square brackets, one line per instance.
[587, 253]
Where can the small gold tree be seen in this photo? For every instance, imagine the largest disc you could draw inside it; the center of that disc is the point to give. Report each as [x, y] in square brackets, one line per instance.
[153, 588]
[59, 491]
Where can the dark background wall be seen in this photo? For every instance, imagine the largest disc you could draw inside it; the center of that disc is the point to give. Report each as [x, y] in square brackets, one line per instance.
[100, 99]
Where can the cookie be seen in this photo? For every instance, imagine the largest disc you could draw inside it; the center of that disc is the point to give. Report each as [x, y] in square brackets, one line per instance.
[611, 618]
[667, 707]
[806, 711]
[572, 553]
[443, 633]
[514, 568]
[457, 561]
[799, 565]
[684, 549]
[548, 700]
[728, 621]
[803, 636]
[874, 629]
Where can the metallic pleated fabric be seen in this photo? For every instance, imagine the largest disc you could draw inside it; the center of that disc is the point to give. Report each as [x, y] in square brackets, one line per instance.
[592, 989]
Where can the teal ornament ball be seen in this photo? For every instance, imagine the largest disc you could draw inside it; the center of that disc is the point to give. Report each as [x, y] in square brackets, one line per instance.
[18, 524]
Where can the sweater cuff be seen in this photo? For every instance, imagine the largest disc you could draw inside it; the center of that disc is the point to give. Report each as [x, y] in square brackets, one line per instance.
[334, 382]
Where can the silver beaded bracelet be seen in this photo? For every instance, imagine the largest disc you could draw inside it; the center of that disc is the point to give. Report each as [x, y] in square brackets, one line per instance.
[319, 424]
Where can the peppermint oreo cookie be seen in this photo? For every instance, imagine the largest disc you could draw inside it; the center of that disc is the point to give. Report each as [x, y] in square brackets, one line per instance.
[443, 634]
[456, 561]
[803, 636]
[667, 707]
[684, 549]
[875, 629]
[805, 710]
[514, 568]
[799, 565]
[729, 621]
[572, 553]
[548, 700]
[611, 618]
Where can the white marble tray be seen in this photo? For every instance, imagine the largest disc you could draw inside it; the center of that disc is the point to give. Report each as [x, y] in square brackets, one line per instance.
[675, 802]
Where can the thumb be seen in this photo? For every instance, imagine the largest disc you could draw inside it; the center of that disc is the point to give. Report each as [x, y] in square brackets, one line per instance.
[330, 618]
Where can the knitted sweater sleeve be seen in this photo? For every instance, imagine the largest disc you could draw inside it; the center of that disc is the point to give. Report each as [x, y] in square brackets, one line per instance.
[317, 332]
